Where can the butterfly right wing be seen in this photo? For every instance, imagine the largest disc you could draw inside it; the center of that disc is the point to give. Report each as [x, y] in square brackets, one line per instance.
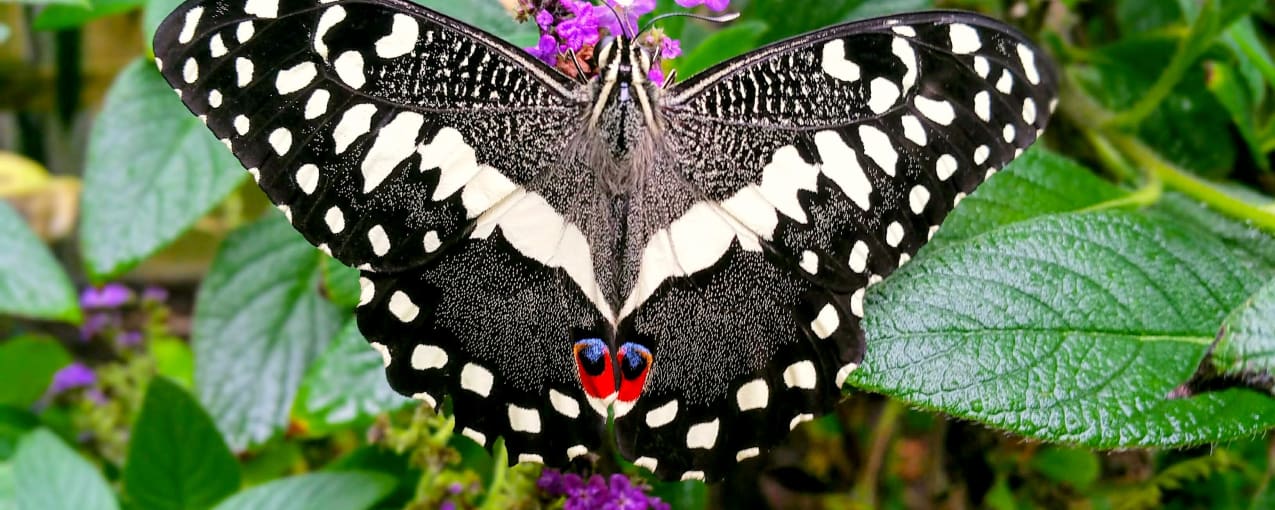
[424, 152]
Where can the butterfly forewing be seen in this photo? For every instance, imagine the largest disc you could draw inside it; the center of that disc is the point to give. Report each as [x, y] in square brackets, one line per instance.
[818, 166]
[416, 147]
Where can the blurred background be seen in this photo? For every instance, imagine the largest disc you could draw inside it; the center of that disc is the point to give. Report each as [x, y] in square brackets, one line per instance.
[115, 206]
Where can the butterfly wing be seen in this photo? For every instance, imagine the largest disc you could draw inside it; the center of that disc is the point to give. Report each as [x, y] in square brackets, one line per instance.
[426, 153]
[804, 172]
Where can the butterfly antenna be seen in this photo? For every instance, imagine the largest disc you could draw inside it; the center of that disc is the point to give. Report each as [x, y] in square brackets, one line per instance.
[668, 81]
[575, 59]
[725, 18]
[624, 27]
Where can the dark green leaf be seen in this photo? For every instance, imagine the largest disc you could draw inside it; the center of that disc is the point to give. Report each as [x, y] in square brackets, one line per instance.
[1039, 182]
[1066, 328]
[65, 16]
[723, 44]
[1135, 16]
[176, 458]
[1226, 86]
[29, 363]
[49, 475]
[15, 423]
[347, 384]
[319, 491]
[689, 494]
[259, 322]
[1247, 344]
[489, 16]
[1077, 467]
[32, 284]
[152, 170]
[52, 2]
[1251, 53]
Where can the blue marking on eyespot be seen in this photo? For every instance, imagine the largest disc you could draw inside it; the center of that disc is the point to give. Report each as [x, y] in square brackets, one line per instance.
[634, 355]
[592, 349]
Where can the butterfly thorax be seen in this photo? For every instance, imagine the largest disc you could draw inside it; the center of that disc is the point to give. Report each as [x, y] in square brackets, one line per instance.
[623, 123]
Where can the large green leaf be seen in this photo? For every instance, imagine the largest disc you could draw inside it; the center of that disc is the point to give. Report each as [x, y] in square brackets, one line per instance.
[152, 170]
[350, 490]
[259, 322]
[49, 475]
[1039, 182]
[1252, 247]
[66, 16]
[176, 458]
[1247, 344]
[28, 364]
[347, 384]
[8, 491]
[32, 284]
[1070, 328]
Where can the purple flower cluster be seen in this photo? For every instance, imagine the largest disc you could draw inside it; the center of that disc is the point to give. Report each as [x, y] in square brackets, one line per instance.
[578, 25]
[617, 493]
[106, 306]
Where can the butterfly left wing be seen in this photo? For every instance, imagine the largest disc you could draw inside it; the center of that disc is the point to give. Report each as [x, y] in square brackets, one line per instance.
[800, 174]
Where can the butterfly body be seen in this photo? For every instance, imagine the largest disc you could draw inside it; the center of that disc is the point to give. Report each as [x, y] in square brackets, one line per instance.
[548, 253]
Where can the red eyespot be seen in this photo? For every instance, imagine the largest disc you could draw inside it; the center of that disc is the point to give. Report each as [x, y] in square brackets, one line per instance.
[593, 362]
[635, 363]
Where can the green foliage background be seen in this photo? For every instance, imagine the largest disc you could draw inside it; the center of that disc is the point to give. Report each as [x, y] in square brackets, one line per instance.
[1098, 318]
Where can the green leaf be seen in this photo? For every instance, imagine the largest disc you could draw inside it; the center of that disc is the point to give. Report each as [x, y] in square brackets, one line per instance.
[341, 283]
[153, 13]
[152, 169]
[176, 458]
[721, 45]
[29, 363]
[66, 16]
[1226, 86]
[15, 423]
[32, 284]
[349, 490]
[51, 476]
[1039, 182]
[259, 322]
[347, 384]
[174, 360]
[1136, 16]
[1250, 246]
[689, 494]
[1247, 344]
[1070, 328]
[489, 16]
[1077, 467]
[1251, 52]
[51, 2]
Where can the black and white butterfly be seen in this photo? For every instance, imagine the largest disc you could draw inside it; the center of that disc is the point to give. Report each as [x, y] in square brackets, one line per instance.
[690, 259]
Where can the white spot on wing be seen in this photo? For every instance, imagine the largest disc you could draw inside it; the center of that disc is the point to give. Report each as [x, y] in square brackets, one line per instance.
[754, 394]
[214, 98]
[243, 72]
[531, 457]
[428, 357]
[477, 436]
[785, 176]
[894, 234]
[329, 19]
[836, 64]
[244, 31]
[403, 308]
[1028, 58]
[983, 105]
[216, 46]
[646, 462]
[431, 241]
[841, 166]
[799, 419]
[693, 475]
[317, 104]
[565, 405]
[662, 415]
[476, 379]
[190, 71]
[401, 39]
[809, 262]
[281, 140]
[1029, 111]
[190, 25]
[856, 303]
[394, 143]
[880, 148]
[904, 30]
[262, 8]
[859, 257]
[379, 241]
[945, 167]
[524, 420]
[981, 154]
[964, 38]
[801, 374]
[242, 125]
[576, 451]
[914, 131]
[367, 289]
[384, 352]
[702, 435]
[882, 95]
[335, 219]
[936, 110]
[1009, 133]
[747, 453]
[982, 67]
[918, 199]
[308, 178]
[844, 373]
[354, 123]
[751, 209]
[295, 78]
[1006, 83]
[349, 68]
[827, 322]
[907, 55]
[427, 399]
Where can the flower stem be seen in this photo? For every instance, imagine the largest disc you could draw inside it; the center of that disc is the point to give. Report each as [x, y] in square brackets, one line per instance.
[499, 468]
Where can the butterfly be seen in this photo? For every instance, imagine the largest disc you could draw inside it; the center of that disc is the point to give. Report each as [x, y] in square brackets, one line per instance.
[552, 253]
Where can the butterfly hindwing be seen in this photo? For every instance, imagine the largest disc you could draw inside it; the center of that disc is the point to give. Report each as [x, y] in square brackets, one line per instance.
[817, 166]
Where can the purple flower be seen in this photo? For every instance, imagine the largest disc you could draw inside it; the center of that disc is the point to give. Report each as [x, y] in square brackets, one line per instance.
[155, 294]
[670, 48]
[129, 338]
[714, 5]
[582, 28]
[546, 50]
[75, 375]
[619, 493]
[96, 323]
[111, 295]
[656, 74]
[544, 19]
[629, 10]
[447, 505]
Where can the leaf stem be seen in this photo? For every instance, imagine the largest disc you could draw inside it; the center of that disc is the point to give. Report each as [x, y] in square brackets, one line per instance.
[865, 488]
